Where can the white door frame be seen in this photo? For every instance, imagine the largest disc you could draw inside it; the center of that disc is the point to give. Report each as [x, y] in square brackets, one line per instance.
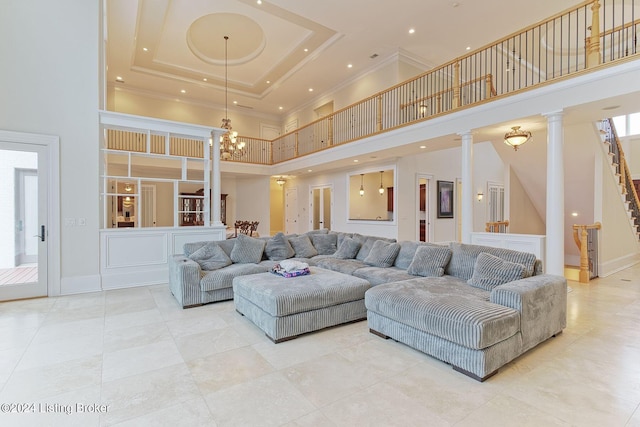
[429, 214]
[51, 144]
[321, 208]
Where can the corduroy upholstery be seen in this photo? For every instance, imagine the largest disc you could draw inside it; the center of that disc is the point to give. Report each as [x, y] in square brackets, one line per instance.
[286, 307]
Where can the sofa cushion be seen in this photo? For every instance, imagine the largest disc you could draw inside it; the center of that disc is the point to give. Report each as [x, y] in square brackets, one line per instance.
[346, 266]
[429, 261]
[303, 247]
[382, 254]
[407, 251]
[463, 259]
[491, 271]
[325, 244]
[377, 276]
[369, 241]
[227, 245]
[223, 278]
[247, 250]
[189, 248]
[211, 257]
[320, 231]
[445, 307]
[348, 249]
[341, 235]
[278, 248]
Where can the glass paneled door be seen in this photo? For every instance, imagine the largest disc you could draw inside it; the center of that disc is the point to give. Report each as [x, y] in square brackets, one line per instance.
[23, 220]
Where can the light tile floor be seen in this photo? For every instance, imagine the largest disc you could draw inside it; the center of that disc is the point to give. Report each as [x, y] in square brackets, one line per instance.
[152, 363]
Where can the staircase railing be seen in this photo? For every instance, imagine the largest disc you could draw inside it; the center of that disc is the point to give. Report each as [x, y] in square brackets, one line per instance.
[583, 37]
[581, 237]
[497, 226]
[622, 168]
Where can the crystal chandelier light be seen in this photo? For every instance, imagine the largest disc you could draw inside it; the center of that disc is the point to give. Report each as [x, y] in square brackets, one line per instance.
[229, 145]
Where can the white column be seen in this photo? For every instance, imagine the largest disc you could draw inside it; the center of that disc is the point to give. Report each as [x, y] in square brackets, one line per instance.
[215, 178]
[555, 194]
[467, 186]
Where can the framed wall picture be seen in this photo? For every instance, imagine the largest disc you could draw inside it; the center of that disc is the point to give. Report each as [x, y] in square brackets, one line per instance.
[445, 199]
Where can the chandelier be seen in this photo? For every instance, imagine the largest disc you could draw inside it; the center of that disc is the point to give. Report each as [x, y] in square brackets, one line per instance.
[229, 145]
[516, 137]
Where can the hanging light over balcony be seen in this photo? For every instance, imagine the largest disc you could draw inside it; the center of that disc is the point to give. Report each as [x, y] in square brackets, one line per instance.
[516, 137]
[229, 145]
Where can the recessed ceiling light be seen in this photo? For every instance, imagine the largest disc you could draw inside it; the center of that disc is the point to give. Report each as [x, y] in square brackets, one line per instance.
[204, 80]
[183, 91]
[309, 170]
[259, 1]
[235, 102]
[412, 30]
[119, 79]
[310, 89]
[423, 146]
[349, 65]
[281, 108]
[145, 49]
[268, 82]
[356, 161]
[574, 214]
[306, 50]
[468, 47]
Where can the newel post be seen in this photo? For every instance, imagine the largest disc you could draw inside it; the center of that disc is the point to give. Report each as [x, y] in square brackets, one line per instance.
[593, 46]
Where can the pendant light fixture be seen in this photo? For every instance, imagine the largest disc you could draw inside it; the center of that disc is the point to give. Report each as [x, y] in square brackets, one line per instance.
[516, 137]
[361, 184]
[229, 145]
[381, 189]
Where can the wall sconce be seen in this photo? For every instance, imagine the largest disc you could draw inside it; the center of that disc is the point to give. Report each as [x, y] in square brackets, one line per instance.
[127, 187]
[280, 181]
[423, 110]
[480, 196]
[361, 184]
[381, 189]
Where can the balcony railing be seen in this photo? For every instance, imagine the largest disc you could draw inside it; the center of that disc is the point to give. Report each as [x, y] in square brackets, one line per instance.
[581, 38]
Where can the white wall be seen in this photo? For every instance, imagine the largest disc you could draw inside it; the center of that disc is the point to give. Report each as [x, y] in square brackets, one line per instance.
[49, 82]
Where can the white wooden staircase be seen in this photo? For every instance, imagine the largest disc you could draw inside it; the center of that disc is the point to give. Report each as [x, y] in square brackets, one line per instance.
[620, 169]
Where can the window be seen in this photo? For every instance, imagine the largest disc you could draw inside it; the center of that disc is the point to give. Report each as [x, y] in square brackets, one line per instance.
[627, 125]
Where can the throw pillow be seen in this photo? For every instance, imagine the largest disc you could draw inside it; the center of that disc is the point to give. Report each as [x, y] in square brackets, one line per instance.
[348, 249]
[382, 254]
[325, 244]
[491, 271]
[429, 261]
[303, 247]
[247, 250]
[210, 257]
[464, 258]
[278, 248]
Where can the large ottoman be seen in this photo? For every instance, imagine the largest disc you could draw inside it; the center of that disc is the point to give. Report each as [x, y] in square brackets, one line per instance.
[287, 307]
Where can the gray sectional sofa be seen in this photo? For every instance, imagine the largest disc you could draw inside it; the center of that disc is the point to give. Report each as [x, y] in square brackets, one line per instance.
[474, 307]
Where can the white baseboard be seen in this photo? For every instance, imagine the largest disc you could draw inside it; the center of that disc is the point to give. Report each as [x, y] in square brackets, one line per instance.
[79, 284]
[610, 267]
[151, 276]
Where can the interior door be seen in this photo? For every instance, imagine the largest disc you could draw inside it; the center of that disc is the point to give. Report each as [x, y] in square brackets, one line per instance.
[321, 207]
[24, 226]
[291, 211]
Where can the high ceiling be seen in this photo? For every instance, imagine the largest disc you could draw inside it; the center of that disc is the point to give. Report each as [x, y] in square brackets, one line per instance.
[280, 49]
